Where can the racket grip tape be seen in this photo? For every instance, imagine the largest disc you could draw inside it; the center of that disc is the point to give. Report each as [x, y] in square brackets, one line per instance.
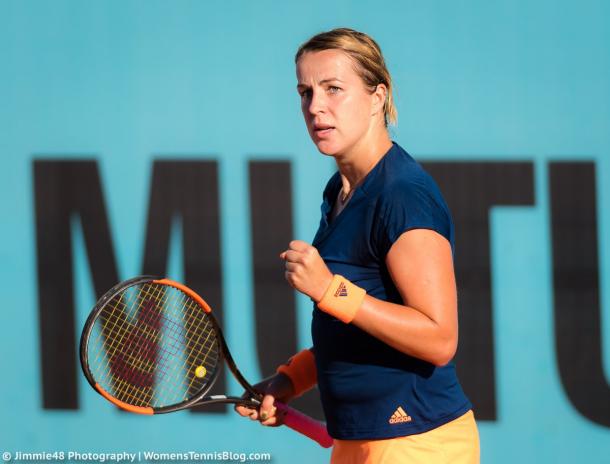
[305, 425]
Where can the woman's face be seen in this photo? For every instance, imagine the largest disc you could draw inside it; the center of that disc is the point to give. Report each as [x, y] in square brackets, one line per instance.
[338, 108]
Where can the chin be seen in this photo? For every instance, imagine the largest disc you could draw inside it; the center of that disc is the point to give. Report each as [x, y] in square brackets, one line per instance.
[326, 152]
[327, 148]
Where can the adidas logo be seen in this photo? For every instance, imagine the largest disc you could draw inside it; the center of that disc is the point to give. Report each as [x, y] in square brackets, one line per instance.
[399, 416]
[341, 290]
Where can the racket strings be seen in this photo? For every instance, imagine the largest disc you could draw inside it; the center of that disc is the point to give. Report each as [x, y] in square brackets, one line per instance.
[162, 367]
[204, 354]
[152, 336]
[123, 348]
[154, 346]
[129, 367]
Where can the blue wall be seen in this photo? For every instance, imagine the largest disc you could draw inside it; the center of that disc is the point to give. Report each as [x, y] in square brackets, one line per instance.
[127, 82]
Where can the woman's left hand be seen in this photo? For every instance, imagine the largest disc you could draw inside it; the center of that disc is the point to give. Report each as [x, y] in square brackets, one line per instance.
[306, 270]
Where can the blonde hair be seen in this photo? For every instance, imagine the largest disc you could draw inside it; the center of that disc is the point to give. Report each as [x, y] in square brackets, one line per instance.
[365, 53]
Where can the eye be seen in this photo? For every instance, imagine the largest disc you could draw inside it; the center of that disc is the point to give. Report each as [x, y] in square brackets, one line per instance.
[334, 89]
[305, 93]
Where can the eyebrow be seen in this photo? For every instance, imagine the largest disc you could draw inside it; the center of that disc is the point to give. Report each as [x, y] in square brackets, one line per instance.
[323, 81]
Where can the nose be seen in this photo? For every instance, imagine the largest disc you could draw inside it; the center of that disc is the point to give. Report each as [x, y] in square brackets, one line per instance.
[316, 102]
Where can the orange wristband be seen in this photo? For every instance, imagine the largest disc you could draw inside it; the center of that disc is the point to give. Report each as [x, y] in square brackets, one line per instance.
[301, 370]
[342, 299]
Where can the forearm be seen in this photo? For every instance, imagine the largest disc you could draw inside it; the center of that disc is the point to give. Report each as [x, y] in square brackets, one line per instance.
[278, 385]
[421, 266]
[300, 370]
[407, 330]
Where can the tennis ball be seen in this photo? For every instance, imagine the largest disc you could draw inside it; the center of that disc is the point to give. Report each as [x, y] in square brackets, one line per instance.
[200, 371]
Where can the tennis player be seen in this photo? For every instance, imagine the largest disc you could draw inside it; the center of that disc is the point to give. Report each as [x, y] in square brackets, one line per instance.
[380, 274]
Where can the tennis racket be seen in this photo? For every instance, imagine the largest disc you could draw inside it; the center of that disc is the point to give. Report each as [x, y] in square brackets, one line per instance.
[152, 346]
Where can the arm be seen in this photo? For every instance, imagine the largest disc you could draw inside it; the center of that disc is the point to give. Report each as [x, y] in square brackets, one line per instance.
[425, 326]
[421, 266]
[278, 386]
[291, 380]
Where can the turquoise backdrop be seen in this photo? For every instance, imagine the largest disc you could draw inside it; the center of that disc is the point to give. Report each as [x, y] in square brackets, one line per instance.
[125, 82]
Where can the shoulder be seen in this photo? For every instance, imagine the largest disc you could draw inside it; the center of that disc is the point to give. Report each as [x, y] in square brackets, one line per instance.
[406, 198]
[405, 181]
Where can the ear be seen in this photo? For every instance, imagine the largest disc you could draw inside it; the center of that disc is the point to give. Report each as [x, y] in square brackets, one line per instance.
[379, 96]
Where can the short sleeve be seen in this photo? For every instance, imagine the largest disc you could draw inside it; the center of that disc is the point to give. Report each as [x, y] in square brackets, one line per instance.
[407, 206]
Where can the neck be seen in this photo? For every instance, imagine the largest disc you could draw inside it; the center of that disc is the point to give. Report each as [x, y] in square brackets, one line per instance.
[358, 162]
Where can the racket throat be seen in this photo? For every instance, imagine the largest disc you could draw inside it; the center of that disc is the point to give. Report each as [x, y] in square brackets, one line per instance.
[219, 399]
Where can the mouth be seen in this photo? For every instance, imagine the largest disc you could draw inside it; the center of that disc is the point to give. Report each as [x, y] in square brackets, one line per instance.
[322, 129]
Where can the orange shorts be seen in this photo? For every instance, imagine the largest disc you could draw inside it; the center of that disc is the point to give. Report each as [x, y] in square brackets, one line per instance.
[456, 442]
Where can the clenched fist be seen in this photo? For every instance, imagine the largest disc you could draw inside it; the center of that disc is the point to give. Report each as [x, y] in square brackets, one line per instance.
[306, 270]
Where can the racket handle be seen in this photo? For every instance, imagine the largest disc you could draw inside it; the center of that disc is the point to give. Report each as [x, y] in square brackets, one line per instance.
[305, 425]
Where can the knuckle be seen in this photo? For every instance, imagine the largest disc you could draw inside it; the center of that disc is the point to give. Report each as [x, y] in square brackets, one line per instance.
[290, 277]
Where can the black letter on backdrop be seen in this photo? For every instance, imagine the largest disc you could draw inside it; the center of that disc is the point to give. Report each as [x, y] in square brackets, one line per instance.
[578, 337]
[274, 299]
[63, 189]
[471, 189]
[188, 189]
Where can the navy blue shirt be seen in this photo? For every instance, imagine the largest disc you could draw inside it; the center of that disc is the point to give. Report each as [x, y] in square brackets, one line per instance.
[368, 389]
